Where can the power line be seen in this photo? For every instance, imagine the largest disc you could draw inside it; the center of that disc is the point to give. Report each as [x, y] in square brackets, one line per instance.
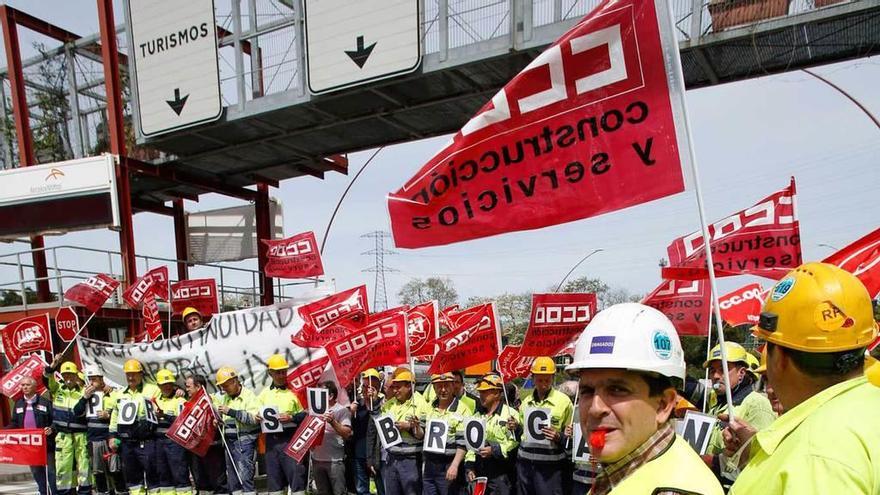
[380, 294]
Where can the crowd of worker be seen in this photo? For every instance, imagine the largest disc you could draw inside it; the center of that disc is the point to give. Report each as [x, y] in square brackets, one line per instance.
[788, 422]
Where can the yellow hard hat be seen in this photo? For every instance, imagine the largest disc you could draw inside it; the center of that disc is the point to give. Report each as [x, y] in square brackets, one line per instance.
[543, 366]
[188, 311]
[872, 370]
[818, 307]
[164, 376]
[81, 376]
[735, 354]
[133, 366]
[402, 375]
[443, 377]
[69, 367]
[762, 366]
[491, 381]
[225, 374]
[371, 373]
[277, 362]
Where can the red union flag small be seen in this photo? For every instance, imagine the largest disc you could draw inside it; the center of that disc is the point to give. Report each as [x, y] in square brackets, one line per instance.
[862, 259]
[30, 334]
[423, 328]
[763, 239]
[742, 306]
[295, 257]
[93, 292]
[198, 293]
[592, 125]
[151, 323]
[155, 280]
[309, 433]
[32, 367]
[686, 303]
[556, 320]
[379, 343]
[193, 429]
[475, 339]
[306, 375]
[26, 447]
[512, 365]
[321, 315]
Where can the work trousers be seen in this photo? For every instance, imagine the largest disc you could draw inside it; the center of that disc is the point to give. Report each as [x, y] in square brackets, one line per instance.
[139, 465]
[282, 471]
[240, 464]
[539, 478]
[72, 454]
[401, 475]
[172, 464]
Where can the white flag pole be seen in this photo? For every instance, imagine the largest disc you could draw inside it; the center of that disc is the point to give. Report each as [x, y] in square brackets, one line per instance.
[676, 66]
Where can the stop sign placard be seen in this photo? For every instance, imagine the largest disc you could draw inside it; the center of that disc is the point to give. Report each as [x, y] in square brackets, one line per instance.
[66, 323]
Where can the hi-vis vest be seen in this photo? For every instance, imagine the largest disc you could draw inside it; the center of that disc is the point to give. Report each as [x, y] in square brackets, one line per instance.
[561, 410]
[285, 401]
[64, 400]
[415, 406]
[146, 393]
[242, 423]
[678, 468]
[170, 407]
[454, 415]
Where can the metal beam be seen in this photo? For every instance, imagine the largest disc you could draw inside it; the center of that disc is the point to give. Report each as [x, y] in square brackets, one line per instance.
[169, 173]
[180, 243]
[264, 231]
[140, 204]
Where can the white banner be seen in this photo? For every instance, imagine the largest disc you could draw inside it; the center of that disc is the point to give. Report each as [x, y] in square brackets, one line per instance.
[242, 339]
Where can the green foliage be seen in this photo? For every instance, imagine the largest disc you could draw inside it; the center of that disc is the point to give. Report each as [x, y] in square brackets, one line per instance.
[417, 291]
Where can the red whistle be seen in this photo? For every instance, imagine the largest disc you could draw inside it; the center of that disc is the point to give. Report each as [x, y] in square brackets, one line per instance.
[597, 439]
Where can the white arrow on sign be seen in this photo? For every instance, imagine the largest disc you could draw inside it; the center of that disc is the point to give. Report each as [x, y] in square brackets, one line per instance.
[176, 77]
[353, 43]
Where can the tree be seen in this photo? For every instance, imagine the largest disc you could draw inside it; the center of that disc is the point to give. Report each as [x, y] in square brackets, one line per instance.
[418, 291]
[513, 310]
[605, 294]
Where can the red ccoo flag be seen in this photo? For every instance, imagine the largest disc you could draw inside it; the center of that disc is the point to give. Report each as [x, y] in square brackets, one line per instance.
[475, 340]
[10, 384]
[30, 334]
[309, 433]
[194, 427]
[295, 257]
[92, 293]
[512, 365]
[155, 280]
[151, 323]
[306, 375]
[763, 239]
[321, 316]
[556, 320]
[423, 328]
[379, 343]
[198, 293]
[592, 125]
[26, 447]
[862, 259]
[742, 306]
[686, 303]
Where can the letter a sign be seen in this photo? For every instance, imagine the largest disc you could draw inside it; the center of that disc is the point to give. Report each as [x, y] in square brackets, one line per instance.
[592, 125]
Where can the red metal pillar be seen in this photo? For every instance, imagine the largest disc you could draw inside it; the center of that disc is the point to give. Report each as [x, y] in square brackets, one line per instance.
[264, 231]
[110, 56]
[26, 155]
[180, 239]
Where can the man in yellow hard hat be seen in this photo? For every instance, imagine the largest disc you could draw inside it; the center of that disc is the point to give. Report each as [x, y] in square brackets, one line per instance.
[367, 447]
[443, 471]
[401, 471]
[540, 464]
[239, 407]
[817, 322]
[133, 422]
[69, 421]
[492, 461]
[282, 470]
[172, 460]
[629, 361]
[750, 405]
[192, 319]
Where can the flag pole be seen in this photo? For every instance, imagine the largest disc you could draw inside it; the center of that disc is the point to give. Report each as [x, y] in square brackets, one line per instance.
[704, 226]
[223, 439]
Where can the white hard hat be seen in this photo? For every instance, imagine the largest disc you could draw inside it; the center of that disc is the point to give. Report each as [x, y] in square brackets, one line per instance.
[92, 370]
[630, 336]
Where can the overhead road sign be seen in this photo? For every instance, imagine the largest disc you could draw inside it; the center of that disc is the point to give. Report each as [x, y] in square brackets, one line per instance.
[353, 43]
[176, 78]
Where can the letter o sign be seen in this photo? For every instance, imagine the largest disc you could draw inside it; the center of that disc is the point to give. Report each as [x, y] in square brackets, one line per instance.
[128, 411]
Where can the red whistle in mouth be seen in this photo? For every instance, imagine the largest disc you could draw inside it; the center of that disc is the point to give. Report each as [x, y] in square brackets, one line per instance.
[597, 439]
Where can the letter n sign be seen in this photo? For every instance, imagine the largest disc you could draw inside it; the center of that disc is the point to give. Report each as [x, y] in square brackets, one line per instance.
[698, 429]
[389, 435]
[435, 436]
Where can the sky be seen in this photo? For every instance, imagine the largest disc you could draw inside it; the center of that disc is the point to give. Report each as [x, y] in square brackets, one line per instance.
[750, 137]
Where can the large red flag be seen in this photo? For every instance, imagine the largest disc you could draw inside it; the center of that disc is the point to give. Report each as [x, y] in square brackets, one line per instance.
[29, 334]
[423, 328]
[194, 427]
[512, 365]
[26, 447]
[763, 239]
[474, 340]
[295, 257]
[742, 306]
[306, 375]
[321, 316]
[197, 293]
[556, 320]
[379, 343]
[592, 125]
[155, 280]
[10, 384]
[686, 303]
[862, 259]
[309, 433]
[93, 292]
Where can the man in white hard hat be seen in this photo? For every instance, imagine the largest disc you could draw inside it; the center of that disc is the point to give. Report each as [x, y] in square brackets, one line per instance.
[628, 361]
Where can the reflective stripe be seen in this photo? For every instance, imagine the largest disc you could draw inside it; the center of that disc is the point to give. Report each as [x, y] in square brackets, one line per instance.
[542, 456]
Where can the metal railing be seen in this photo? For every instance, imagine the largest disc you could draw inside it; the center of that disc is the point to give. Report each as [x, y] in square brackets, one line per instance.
[234, 291]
